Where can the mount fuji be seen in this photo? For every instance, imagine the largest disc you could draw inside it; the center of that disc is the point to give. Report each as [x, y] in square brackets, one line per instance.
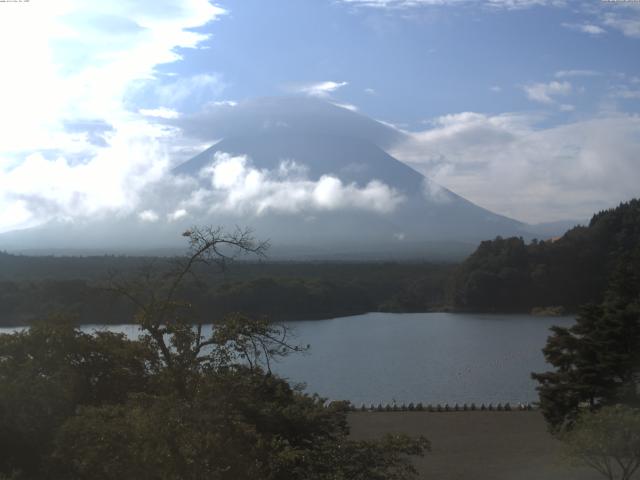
[313, 177]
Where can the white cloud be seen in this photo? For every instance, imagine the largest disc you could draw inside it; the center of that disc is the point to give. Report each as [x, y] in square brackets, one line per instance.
[398, 3]
[161, 112]
[236, 186]
[203, 87]
[111, 181]
[406, 4]
[224, 103]
[73, 63]
[518, 4]
[566, 107]
[320, 89]
[435, 192]
[347, 106]
[627, 93]
[628, 24]
[496, 89]
[622, 15]
[177, 214]
[576, 73]
[16, 212]
[543, 92]
[506, 164]
[369, 91]
[148, 216]
[589, 28]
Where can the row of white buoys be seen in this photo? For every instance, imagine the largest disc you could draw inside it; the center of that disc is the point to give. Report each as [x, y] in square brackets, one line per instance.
[419, 407]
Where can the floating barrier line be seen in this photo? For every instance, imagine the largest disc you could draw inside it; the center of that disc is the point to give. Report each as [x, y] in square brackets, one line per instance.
[420, 407]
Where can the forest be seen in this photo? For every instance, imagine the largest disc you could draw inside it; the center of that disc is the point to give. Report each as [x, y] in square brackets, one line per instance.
[34, 287]
[502, 275]
[509, 275]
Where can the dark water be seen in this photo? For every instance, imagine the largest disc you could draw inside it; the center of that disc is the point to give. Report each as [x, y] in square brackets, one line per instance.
[422, 357]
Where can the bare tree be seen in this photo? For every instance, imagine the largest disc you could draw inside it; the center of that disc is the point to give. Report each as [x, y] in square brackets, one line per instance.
[170, 327]
[607, 440]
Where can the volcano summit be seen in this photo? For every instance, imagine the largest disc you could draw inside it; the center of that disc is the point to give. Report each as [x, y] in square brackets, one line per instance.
[313, 177]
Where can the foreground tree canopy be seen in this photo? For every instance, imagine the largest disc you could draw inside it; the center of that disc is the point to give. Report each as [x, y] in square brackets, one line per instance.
[175, 404]
[607, 440]
[597, 361]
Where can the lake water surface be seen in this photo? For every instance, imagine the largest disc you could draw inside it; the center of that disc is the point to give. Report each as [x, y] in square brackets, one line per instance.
[419, 357]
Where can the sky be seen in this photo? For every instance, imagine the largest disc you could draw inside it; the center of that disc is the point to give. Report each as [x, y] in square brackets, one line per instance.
[529, 108]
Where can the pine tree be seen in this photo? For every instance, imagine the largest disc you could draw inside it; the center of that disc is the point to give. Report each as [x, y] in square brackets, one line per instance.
[597, 361]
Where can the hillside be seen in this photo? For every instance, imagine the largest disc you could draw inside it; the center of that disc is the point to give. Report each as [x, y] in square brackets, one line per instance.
[507, 274]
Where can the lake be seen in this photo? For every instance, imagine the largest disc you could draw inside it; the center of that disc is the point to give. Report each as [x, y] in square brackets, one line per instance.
[418, 357]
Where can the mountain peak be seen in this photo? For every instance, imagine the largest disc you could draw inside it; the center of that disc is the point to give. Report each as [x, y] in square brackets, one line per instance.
[302, 115]
[309, 175]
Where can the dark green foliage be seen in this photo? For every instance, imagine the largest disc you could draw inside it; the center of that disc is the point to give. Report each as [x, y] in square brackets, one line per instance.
[175, 404]
[238, 426]
[597, 361]
[385, 459]
[509, 275]
[238, 423]
[47, 372]
[607, 441]
[32, 287]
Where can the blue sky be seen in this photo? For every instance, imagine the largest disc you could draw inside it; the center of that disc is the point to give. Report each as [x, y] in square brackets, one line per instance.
[425, 61]
[527, 107]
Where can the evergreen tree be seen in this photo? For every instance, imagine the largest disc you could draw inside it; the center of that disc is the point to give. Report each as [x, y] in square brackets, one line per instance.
[509, 275]
[597, 360]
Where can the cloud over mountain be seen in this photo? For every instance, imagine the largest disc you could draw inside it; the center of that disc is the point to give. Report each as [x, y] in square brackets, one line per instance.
[319, 89]
[238, 187]
[70, 145]
[536, 174]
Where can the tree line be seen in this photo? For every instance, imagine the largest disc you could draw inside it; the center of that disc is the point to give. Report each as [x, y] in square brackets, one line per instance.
[509, 275]
[75, 287]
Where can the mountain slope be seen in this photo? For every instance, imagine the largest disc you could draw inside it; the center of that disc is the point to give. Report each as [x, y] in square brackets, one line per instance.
[353, 154]
[311, 176]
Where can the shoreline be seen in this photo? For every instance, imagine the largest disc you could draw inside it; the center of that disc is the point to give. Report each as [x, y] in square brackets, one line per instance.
[319, 317]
